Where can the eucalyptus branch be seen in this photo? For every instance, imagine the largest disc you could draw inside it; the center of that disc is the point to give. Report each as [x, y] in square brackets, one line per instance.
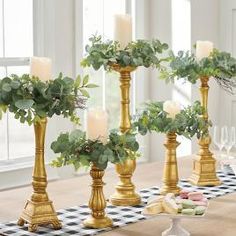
[74, 148]
[188, 122]
[219, 65]
[136, 53]
[31, 99]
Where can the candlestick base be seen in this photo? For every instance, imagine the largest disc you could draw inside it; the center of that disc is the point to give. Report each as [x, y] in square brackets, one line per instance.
[204, 172]
[96, 223]
[170, 189]
[97, 202]
[125, 199]
[125, 190]
[170, 173]
[39, 213]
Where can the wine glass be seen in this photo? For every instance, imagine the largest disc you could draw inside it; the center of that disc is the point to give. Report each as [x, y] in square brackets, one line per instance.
[224, 136]
[217, 138]
[220, 137]
[230, 141]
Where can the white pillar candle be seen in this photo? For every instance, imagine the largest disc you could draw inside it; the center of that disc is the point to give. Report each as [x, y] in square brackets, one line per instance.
[123, 29]
[97, 125]
[203, 49]
[41, 67]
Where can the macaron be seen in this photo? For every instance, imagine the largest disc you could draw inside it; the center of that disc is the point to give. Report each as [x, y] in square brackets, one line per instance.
[188, 212]
[200, 210]
[188, 204]
[170, 206]
[184, 194]
[180, 208]
[195, 196]
[153, 209]
[179, 200]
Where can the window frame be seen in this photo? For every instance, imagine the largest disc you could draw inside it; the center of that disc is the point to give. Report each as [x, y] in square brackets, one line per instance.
[8, 62]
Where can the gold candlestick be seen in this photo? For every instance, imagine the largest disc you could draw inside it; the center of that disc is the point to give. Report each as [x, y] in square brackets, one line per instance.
[39, 209]
[204, 165]
[170, 174]
[97, 202]
[125, 190]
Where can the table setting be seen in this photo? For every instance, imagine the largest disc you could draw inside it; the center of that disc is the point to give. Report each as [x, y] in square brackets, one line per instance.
[36, 97]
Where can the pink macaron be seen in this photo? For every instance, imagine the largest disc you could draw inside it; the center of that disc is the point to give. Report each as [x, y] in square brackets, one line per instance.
[195, 196]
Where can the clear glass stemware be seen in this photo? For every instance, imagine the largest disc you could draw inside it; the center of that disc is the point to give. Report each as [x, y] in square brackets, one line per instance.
[231, 140]
[217, 138]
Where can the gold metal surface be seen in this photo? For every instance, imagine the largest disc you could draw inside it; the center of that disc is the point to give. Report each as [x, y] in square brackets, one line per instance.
[97, 202]
[170, 173]
[39, 209]
[204, 164]
[125, 190]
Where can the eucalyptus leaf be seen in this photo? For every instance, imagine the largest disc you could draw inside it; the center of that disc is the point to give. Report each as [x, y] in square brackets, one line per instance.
[24, 104]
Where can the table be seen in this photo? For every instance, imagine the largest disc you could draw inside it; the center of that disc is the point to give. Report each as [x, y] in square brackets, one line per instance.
[219, 221]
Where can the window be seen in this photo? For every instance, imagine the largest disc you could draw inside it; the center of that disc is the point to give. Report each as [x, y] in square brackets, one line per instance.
[98, 19]
[16, 46]
[181, 40]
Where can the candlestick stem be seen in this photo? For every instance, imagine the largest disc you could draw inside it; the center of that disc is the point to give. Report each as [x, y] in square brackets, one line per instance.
[125, 190]
[170, 174]
[39, 209]
[97, 202]
[204, 165]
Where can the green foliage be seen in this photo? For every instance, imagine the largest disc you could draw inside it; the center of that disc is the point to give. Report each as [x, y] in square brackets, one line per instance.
[187, 123]
[31, 99]
[75, 149]
[137, 53]
[220, 65]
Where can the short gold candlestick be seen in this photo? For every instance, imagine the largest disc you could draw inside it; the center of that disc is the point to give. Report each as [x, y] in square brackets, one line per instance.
[125, 190]
[97, 202]
[170, 174]
[39, 209]
[204, 165]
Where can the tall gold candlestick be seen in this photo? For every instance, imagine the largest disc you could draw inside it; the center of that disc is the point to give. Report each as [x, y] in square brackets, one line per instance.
[204, 165]
[170, 174]
[97, 202]
[125, 190]
[39, 209]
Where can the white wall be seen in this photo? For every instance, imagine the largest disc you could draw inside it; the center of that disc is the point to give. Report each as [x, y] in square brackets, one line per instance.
[160, 27]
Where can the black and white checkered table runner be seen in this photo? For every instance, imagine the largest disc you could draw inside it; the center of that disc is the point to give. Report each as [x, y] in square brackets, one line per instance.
[72, 217]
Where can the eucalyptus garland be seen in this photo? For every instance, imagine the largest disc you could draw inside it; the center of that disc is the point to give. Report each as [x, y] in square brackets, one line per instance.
[76, 149]
[31, 99]
[187, 123]
[219, 65]
[136, 53]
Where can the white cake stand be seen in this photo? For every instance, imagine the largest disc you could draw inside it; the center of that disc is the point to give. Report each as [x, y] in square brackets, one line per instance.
[175, 228]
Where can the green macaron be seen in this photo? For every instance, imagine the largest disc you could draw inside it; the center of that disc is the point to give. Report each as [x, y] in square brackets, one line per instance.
[188, 212]
[200, 210]
[188, 204]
